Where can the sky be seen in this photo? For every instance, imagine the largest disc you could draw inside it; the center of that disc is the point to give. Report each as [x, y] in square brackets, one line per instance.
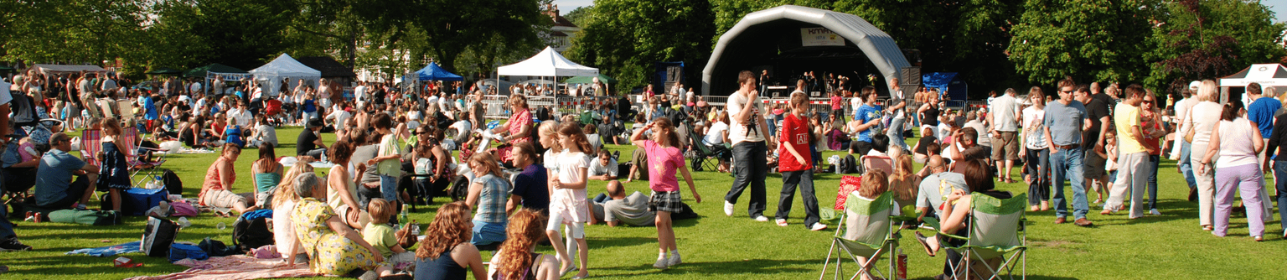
[1279, 7]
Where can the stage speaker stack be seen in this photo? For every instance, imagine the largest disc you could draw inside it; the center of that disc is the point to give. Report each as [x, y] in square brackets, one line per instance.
[909, 78]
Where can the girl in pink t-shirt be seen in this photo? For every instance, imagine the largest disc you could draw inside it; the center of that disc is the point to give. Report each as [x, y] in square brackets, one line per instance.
[664, 157]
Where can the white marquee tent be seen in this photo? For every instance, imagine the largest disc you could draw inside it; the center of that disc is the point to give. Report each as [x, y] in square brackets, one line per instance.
[270, 75]
[547, 63]
[1267, 75]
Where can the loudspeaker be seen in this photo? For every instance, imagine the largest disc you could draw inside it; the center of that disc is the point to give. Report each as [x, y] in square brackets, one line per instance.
[909, 76]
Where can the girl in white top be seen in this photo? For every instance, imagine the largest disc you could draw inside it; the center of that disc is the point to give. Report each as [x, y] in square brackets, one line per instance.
[1035, 150]
[1202, 119]
[1237, 142]
[568, 204]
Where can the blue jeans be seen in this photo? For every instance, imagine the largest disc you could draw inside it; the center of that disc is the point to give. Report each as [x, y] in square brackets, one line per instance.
[895, 133]
[1185, 165]
[485, 233]
[1067, 165]
[1038, 165]
[1280, 182]
[1153, 160]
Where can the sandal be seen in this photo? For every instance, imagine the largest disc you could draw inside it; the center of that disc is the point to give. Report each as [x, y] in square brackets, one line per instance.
[920, 238]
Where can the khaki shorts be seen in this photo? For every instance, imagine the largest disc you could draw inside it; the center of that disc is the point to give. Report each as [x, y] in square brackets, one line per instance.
[224, 199]
[1005, 146]
[343, 210]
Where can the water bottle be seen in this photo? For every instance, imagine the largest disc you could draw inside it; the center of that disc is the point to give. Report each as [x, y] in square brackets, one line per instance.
[403, 216]
[183, 222]
[415, 228]
[221, 226]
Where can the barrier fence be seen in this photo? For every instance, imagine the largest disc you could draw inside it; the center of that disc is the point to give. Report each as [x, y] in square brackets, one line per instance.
[496, 106]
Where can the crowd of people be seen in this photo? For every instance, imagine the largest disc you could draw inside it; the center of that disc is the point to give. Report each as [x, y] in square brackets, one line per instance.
[394, 148]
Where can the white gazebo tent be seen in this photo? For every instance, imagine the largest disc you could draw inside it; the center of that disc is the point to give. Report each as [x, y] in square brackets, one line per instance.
[1267, 75]
[270, 75]
[547, 63]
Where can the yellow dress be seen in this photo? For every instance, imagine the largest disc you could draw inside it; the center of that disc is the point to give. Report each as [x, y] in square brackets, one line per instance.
[328, 251]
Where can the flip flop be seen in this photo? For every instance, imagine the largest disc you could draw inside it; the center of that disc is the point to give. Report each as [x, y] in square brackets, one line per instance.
[920, 238]
[567, 270]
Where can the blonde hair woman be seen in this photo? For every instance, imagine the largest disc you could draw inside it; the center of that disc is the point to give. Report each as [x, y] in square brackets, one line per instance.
[1201, 122]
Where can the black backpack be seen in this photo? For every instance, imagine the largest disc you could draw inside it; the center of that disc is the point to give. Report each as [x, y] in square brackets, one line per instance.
[251, 234]
[848, 165]
[157, 237]
[171, 182]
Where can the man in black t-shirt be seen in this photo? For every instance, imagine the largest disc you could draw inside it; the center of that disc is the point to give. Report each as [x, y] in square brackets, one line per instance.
[306, 146]
[1100, 114]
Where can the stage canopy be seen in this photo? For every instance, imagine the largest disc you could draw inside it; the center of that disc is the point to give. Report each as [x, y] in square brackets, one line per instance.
[791, 40]
[547, 63]
[434, 73]
[270, 75]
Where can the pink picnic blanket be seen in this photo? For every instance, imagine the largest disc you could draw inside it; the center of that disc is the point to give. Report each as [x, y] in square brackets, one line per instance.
[235, 267]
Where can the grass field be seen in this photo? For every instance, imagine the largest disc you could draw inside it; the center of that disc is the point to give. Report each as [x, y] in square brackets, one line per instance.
[1170, 246]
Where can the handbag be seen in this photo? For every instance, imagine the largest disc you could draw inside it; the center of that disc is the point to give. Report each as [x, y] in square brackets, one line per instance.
[1188, 135]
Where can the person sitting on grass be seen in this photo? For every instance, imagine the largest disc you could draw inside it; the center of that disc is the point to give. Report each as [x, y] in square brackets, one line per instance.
[446, 252]
[615, 207]
[488, 193]
[517, 258]
[283, 203]
[268, 174]
[216, 191]
[332, 246]
[55, 187]
[381, 236]
[603, 167]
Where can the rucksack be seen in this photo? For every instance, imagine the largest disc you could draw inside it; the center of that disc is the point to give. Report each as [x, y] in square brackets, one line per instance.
[172, 182]
[158, 236]
[250, 234]
[848, 165]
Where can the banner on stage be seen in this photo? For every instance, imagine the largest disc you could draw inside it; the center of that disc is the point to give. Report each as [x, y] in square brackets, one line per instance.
[820, 36]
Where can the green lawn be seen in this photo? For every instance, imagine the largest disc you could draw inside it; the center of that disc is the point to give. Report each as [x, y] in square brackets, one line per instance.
[1171, 246]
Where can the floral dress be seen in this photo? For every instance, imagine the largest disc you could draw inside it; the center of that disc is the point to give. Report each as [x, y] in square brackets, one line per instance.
[329, 252]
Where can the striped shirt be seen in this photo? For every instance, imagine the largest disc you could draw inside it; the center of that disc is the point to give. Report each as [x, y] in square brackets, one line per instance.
[492, 198]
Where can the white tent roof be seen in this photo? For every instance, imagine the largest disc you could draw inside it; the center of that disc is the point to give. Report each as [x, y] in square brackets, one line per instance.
[285, 66]
[1271, 74]
[270, 75]
[547, 63]
[53, 68]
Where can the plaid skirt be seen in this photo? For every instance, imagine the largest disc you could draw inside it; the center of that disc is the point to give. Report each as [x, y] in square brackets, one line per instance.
[666, 201]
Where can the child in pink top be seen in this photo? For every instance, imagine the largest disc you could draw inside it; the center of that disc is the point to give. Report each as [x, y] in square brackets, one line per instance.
[664, 157]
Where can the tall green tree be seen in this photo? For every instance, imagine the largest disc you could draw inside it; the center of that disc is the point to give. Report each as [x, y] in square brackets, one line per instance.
[625, 37]
[453, 27]
[1090, 40]
[1211, 39]
[239, 33]
[73, 31]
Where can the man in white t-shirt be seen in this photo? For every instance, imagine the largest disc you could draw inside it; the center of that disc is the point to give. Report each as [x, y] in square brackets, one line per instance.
[241, 114]
[195, 87]
[747, 132]
[1003, 118]
[339, 118]
[359, 94]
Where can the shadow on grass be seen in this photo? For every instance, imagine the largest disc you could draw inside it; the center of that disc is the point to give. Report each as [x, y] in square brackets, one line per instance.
[607, 242]
[727, 270]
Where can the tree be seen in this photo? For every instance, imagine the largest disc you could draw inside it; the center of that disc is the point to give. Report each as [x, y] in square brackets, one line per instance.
[452, 27]
[577, 16]
[75, 31]
[1211, 39]
[1093, 40]
[239, 33]
[625, 37]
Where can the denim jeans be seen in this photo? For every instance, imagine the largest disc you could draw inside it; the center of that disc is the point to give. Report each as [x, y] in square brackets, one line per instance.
[1038, 165]
[1153, 160]
[895, 133]
[1185, 166]
[1067, 165]
[1280, 182]
[749, 168]
[389, 188]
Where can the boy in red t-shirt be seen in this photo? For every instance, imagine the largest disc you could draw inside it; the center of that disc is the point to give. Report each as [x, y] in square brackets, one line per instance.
[796, 164]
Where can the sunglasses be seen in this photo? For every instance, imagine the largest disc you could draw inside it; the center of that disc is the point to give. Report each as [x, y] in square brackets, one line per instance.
[1148, 102]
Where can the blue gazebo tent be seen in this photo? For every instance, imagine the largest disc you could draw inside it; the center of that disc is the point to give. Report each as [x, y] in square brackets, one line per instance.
[435, 73]
[949, 84]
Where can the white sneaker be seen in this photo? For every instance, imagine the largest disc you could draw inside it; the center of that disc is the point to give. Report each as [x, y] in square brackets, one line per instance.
[660, 264]
[761, 219]
[818, 226]
[728, 208]
[782, 222]
[1154, 212]
[673, 261]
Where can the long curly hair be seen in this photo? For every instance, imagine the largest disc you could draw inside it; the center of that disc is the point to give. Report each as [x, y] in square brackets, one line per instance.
[285, 191]
[525, 229]
[449, 228]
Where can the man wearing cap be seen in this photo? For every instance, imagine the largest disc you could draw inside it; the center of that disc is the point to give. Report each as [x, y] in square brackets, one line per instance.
[1182, 110]
[306, 146]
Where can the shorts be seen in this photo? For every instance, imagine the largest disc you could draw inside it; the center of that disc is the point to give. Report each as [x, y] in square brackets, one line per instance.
[223, 199]
[666, 201]
[488, 233]
[1094, 168]
[1005, 144]
[575, 230]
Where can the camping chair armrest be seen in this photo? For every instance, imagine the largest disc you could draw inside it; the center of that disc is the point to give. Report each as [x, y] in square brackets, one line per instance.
[932, 223]
[952, 236]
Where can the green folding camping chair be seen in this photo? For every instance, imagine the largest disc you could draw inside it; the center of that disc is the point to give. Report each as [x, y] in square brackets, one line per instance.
[996, 231]
[869, 231]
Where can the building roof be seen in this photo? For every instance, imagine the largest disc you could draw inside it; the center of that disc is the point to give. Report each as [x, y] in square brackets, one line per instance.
[329, 67]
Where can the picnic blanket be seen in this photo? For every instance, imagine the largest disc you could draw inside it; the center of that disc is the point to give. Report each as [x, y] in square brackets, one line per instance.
[235, 267]
[109, 250]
